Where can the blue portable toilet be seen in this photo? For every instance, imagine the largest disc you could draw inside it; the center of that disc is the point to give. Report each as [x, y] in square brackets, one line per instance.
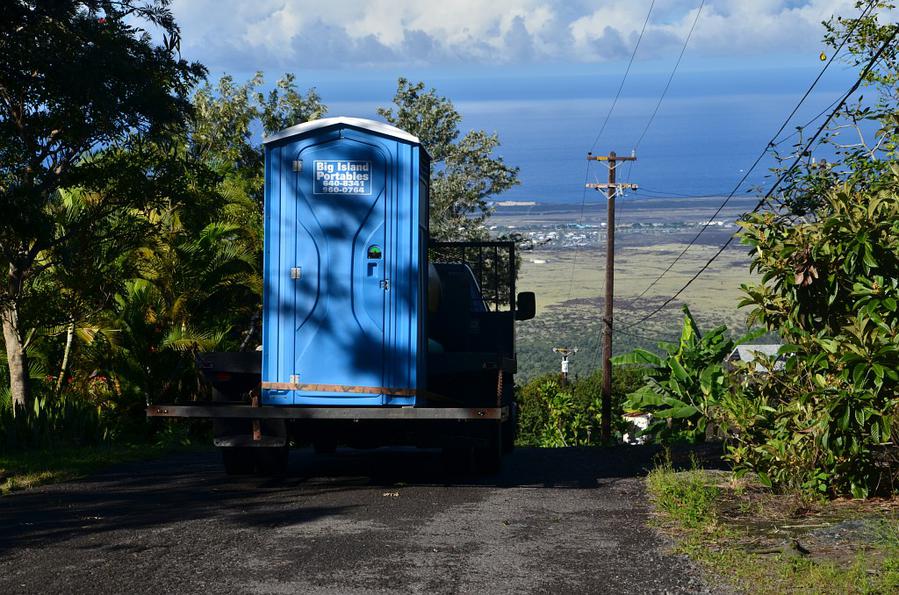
[345, 265]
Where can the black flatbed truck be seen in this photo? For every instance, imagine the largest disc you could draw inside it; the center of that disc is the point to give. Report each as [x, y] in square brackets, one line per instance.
[468, 410]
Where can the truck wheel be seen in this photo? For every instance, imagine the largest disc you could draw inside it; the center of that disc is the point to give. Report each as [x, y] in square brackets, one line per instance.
[456, 459]
[238, 460]
[324, 446]
[272, 460]
[510, 429]
[488, 459]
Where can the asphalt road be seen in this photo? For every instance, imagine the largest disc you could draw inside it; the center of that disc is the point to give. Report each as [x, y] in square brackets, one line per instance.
[554, 521]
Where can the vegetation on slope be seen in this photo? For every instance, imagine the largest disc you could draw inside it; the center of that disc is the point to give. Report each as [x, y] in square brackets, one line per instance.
[131, 198]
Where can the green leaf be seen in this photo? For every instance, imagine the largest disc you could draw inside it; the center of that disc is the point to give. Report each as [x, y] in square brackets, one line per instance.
[844, 420]
[678, 412]
[869, 258]
[678, 370]
[638, 356]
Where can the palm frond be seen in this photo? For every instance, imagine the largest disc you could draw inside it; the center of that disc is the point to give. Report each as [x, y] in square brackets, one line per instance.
[187, 339]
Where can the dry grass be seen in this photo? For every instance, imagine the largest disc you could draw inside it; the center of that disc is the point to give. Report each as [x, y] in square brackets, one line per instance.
[569, 313]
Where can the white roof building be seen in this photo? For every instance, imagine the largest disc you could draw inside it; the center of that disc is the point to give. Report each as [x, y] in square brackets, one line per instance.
[750, 353]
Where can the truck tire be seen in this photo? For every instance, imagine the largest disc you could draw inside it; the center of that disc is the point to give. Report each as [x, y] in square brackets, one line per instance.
[510, 429]
[324, 446]
[488, 459]
[271, 460]
[238, 460]
[456, 459]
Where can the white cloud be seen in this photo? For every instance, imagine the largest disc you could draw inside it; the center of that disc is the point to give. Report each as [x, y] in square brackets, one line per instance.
[291, 34]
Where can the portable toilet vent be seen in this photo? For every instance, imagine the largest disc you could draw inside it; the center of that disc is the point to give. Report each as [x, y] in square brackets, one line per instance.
[346, 232]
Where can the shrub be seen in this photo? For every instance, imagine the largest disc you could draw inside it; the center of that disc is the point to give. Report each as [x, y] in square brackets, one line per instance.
[831, 288]
[552, 415]
[532, 410]
[683, 387]
[828, 256]
[52, 422]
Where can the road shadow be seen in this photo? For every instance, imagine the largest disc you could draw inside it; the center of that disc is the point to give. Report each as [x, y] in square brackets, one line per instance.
[576, 467]
[141, 496]
[572, 467]
[191, 486]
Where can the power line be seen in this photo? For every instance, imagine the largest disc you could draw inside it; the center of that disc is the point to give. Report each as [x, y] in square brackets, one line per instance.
[670, 77]
[666, 193]
[807, 124]
[822, 112]
[599, 134]
[761, 156]
[594, 353]
[624, 78]
[580, 221]
[609, 232]
[780, 179]
[665, 90]
[637, 335]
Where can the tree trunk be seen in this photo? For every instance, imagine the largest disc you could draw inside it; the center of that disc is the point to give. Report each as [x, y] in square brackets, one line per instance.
[16, 358]
[249, 334]
[63, 368]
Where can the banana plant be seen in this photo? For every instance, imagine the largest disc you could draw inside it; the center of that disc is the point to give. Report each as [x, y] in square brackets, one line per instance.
[684, 385]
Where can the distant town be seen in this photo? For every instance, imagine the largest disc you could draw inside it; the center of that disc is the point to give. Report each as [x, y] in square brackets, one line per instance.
[575, 235]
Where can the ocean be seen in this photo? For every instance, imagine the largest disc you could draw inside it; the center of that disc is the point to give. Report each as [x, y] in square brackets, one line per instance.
[709, 130]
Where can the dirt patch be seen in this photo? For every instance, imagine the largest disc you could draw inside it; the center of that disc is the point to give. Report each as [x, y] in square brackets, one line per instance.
[838, 531]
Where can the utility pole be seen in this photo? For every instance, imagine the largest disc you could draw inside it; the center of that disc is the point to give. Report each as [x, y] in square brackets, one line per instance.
[612, 188]
[566, 353]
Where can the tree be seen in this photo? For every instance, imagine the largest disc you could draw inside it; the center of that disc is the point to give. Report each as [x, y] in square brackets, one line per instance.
[464, 171]
[829, 264]
[861, 158]
[831, 290]
[221, 137]
[133, 310]
[194, 282]
[84, 91]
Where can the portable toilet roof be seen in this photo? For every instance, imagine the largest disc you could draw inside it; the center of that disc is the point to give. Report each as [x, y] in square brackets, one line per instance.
[365, 124]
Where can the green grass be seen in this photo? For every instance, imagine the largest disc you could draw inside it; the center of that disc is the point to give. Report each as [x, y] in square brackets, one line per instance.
[688, 497]
[27, 469]
[714, 525]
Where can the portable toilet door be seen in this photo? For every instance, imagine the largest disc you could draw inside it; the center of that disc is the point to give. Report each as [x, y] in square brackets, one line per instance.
[352, 287]
[339, 329]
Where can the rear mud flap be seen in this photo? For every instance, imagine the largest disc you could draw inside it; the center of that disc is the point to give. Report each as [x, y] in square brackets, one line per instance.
[246, 432]
[247, 440]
